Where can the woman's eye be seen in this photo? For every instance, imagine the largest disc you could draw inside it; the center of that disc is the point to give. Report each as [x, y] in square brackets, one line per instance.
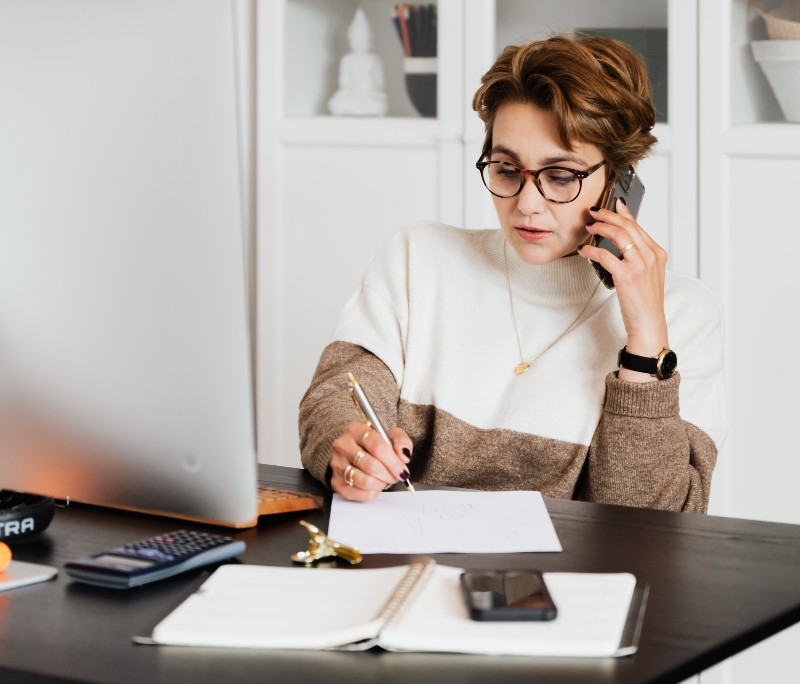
[506, 171]
[559, 177]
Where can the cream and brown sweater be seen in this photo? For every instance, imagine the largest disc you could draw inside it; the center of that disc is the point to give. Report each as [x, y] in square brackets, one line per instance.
[430, 336]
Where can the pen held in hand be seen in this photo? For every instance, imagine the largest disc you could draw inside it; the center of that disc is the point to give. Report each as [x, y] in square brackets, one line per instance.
[370, 416]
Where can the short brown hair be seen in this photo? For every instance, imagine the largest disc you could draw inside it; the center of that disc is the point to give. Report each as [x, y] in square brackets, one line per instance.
[596, 88]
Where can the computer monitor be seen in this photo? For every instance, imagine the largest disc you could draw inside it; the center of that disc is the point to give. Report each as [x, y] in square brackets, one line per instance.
[125, 361]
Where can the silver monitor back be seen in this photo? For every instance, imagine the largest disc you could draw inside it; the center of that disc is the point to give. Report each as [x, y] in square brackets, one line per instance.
[125, 375]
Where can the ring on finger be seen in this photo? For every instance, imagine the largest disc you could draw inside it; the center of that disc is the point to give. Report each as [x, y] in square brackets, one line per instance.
[349, 473]
[364, 436]
[630, 245]
[359, 455]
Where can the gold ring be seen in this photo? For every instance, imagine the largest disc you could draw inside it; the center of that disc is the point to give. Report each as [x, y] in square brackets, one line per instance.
[359, 455]
[630, 245]
[349, 472]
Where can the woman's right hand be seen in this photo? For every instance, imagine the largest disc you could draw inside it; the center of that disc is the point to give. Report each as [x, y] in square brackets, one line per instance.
[364, 464]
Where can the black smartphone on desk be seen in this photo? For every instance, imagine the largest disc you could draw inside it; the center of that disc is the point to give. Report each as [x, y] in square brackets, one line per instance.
[629, 186]
[507, 595]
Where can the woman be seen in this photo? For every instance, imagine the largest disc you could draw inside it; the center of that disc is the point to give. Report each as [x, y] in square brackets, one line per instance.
[494, 355]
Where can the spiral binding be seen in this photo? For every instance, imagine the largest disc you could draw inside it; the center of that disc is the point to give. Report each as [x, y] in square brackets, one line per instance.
[419, 571]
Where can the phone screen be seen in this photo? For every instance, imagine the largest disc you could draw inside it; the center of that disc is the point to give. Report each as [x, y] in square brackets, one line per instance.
[628, 186]
[507, 595]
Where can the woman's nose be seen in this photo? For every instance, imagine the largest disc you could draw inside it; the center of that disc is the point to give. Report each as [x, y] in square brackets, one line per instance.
[530, 200]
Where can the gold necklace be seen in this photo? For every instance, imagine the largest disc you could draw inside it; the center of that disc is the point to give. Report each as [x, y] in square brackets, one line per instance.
[524, 365]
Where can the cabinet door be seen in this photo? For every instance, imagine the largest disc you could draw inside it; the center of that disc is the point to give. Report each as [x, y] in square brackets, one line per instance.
[331, 189]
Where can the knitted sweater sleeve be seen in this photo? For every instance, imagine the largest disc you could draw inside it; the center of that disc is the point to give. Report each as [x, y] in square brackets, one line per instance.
[326, 407]
[644, 454]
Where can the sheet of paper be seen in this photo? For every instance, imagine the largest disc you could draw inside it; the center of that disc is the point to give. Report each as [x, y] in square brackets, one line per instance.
[20, 574]
[433, 521]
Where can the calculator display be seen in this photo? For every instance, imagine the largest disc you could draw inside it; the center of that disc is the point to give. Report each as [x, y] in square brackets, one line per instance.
[123, 563]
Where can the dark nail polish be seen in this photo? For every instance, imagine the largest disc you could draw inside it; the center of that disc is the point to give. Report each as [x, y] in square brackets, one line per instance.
[594, 209]
[405, 475]
[407, 452]
[622, 199]
[580, 247]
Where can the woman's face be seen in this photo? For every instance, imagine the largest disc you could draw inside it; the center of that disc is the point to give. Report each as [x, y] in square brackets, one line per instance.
[541, 231]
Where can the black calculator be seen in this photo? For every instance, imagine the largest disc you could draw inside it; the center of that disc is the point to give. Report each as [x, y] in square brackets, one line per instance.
[154, 558]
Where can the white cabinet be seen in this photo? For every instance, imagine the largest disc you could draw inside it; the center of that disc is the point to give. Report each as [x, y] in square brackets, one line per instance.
[749, 161]
[750, 166]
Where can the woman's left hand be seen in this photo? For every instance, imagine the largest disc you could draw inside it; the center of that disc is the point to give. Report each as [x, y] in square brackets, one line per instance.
[639, 280]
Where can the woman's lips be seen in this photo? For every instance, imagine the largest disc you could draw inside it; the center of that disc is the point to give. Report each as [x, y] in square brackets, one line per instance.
[532, 234]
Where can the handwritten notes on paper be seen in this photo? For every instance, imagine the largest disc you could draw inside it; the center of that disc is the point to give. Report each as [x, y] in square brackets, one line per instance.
[433, 521]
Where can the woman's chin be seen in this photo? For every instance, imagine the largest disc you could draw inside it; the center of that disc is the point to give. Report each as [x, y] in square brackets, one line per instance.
[538, 254]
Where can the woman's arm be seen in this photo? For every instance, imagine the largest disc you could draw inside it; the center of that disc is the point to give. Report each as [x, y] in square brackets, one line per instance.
[332, 429]
[643, 454]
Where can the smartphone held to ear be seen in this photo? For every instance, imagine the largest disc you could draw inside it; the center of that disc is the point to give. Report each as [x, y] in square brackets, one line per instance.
[629, 187]
[507, 595]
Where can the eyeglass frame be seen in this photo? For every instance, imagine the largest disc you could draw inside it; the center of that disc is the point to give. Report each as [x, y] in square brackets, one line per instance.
[524, 173]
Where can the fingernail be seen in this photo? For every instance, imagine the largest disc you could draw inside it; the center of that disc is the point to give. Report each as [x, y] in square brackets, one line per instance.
[580, 247]
[405, 475]
[622, 199]
[594, 208]
[407, 454]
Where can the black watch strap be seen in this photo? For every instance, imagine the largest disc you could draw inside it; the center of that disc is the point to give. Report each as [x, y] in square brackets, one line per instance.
[662, 366]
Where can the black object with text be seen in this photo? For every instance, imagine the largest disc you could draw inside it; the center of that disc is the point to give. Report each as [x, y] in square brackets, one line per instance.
[507, 595]
[629, 187]
[154, 558]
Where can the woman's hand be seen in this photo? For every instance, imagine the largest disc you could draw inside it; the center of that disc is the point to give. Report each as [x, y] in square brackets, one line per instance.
[639, 280]
[364, 464]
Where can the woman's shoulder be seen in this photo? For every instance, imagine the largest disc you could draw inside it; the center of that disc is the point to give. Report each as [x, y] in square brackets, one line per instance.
[430, 232]
[685, 294]
[425, 240]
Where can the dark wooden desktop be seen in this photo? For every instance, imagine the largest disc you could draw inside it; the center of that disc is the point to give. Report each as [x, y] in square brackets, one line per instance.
[717, 586]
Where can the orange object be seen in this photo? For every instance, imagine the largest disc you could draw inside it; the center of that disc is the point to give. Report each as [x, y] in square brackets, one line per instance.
[5, 556]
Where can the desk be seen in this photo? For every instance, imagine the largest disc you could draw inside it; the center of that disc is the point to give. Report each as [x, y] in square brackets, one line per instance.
[717, 586]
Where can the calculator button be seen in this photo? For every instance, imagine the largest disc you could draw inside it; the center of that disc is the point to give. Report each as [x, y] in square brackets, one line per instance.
[154, 554]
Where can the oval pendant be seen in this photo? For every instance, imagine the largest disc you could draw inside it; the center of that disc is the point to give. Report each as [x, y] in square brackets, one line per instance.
[519, 369]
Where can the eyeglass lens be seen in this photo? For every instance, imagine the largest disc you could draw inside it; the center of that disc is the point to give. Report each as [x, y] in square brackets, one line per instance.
[506, 180]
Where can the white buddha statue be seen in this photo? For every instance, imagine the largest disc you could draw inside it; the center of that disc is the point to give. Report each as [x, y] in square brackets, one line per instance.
[360, 90]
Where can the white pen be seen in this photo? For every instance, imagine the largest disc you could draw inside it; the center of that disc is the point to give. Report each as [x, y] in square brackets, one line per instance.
[370, 416]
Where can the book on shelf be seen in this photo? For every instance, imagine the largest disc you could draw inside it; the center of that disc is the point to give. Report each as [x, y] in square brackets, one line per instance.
[416, 607]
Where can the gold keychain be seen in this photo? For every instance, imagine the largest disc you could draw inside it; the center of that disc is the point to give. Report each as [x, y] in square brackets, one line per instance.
[320, 546]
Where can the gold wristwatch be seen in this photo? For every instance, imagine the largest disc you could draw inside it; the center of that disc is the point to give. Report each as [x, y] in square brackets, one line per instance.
[662, 366]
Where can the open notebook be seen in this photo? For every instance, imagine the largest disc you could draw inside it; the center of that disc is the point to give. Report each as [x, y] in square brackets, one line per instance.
[418, 607]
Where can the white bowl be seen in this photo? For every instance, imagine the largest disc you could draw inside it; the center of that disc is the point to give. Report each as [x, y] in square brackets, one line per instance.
[780, 61]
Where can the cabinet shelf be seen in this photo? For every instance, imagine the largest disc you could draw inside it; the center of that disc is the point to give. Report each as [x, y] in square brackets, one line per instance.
[360, 131]
[763, 140]
[314, 42]
[391, 132]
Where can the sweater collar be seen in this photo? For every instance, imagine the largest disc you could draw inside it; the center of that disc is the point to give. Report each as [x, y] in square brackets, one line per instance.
[567, 279]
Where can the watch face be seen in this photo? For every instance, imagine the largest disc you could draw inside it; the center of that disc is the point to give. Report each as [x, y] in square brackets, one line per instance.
[668, 364]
